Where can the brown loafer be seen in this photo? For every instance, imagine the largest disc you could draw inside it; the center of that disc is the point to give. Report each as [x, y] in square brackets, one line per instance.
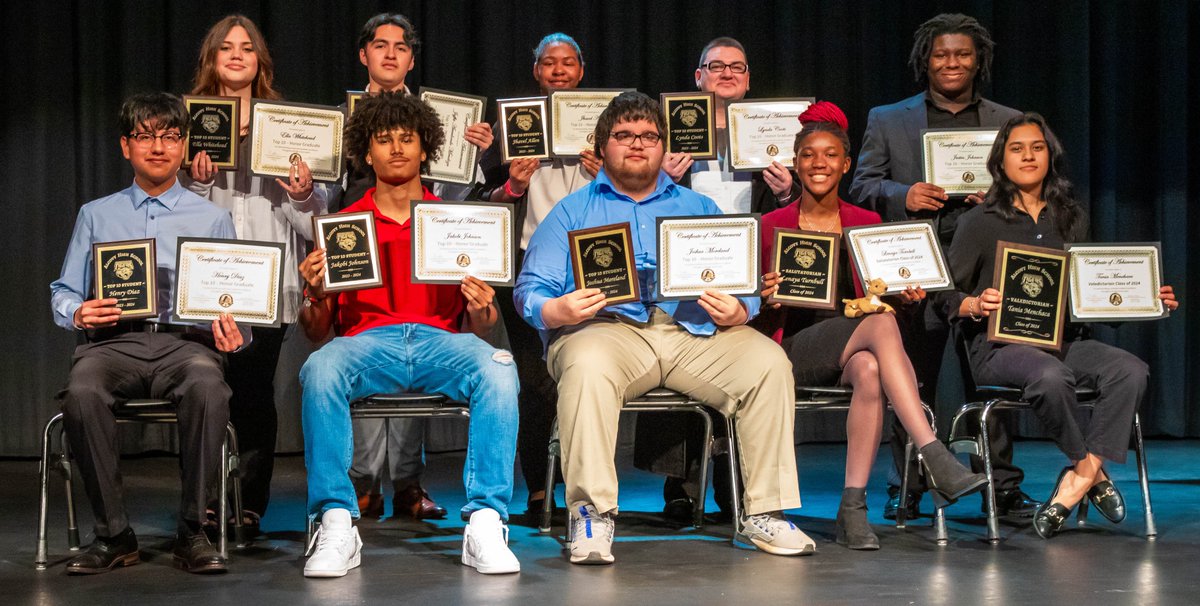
[415, 503]
[194, 553]
[104, 554]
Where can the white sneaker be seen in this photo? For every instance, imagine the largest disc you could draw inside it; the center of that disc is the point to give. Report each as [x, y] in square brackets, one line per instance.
[773, 533]
[338, 547]
[485, 544]
[590, 535]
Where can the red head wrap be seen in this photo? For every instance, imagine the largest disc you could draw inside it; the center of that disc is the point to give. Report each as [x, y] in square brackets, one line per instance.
[824, 111]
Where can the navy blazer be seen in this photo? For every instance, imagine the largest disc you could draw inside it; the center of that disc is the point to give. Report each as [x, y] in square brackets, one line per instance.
[890, 160]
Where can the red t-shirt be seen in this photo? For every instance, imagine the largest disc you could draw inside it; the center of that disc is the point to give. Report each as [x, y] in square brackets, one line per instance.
[398, 301]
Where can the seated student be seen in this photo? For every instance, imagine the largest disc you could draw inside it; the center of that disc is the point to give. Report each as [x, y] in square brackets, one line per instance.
[1031, 202]
[866, 353]
[129, 359]
[403, 337]
[602, 357]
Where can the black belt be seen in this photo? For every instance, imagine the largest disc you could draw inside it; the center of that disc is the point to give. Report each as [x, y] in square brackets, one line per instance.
[120, 328]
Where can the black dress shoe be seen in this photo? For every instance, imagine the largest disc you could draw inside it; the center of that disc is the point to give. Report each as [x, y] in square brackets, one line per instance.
[893, 504]
[194, 553]
[680, 511]
[106, 553]
[1013, 503]
[1105, 497]
[1051, 516]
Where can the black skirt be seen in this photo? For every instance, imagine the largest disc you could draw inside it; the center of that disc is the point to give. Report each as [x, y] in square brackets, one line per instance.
[816, 350]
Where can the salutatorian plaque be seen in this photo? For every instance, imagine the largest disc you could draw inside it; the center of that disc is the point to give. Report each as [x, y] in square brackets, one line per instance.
[126, 271]
[691, 125]
[602, 257]
[524, 132]
[1033, 289]
[241, 278]
[215, 129]
[807, 262]
[1116, 282]
[351, 250]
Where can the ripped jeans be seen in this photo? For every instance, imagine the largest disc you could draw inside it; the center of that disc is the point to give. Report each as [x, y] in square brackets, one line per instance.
[413, 358]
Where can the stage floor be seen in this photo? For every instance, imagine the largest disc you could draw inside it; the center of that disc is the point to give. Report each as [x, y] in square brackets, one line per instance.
[413, 562]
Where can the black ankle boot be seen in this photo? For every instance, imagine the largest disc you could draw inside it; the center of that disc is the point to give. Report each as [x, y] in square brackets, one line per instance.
[948, 480]
[853, 531]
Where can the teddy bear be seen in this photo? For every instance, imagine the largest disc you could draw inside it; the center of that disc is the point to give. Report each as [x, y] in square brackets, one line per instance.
[870, 304]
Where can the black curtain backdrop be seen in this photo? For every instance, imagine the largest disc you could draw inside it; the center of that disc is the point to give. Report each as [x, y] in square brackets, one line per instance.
[1113, 78]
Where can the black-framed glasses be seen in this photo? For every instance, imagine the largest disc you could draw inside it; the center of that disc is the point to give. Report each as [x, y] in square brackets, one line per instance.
[626, 138]
[169, 139]
[737, 67]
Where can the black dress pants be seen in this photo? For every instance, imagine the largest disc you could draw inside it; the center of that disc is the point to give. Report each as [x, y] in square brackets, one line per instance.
[250, 373]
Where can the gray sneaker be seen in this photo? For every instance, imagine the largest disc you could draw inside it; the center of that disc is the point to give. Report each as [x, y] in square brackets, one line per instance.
[590, 536]
[773, 533]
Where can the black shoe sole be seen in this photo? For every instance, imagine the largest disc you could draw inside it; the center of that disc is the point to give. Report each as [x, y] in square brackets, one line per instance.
[123, 561]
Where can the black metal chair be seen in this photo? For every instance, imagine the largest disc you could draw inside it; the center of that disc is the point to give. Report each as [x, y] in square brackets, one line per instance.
[133, 411]
[659, 400]
[824, 399]
[983, 399]
[395, 406]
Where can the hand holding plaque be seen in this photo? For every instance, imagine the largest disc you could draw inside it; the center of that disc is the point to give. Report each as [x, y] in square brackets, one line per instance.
[524, 131]
[457, 157]
[1033, 287]
[236, 277]
[1116, 282]
[807, 264]
[691, 125]
[127, 271]
[714, 252]
[351, 251]
[282, 134]
[956, 159]
[602, 257]
[903, 254]
[215, 129]
[451, 240]
[762, 131]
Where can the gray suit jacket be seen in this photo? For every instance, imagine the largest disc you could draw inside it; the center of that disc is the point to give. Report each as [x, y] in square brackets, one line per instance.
[890, 160]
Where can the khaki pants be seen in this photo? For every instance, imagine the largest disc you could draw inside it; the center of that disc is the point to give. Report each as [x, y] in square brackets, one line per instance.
[604, 362]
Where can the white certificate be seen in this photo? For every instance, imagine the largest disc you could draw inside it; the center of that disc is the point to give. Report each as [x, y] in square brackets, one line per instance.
[456, 159]
[451, 240]
[956, 159]
[708, 252]
[282, 134]
[573, 118]
[902, 254]
[762, 131]
[237, 277]
[1115, 282]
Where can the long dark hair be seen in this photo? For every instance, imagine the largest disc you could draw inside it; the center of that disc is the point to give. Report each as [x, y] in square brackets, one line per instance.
[207, 82]
[1064, 211]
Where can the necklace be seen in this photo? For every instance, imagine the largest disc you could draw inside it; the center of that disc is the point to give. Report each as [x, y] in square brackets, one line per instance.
[827, 228]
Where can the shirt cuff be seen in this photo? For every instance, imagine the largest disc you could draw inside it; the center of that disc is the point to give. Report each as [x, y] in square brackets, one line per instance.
[533, 311]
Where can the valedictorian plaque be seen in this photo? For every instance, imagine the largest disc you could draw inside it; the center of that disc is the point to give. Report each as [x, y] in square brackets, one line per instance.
[451, 240]
[215, 128]
[457, 157]
[708, 252]
[691, 126]
[126, 271]
[602, 257]
[762, 131]
[351, 250]
[956, 159]
[1116, 282]
[282, 134]
[237, 277]
[903, 254]
[1033, 289]
[807, 262]
[524, 132]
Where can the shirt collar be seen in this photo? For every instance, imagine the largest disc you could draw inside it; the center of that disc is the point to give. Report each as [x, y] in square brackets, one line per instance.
[367, 89]
[975, 99]
[661, 186]
[369, 197]
[169, 199]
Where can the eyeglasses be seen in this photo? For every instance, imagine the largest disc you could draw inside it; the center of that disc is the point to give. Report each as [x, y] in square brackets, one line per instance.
[627, 138]
[720, 66]
[170, 139]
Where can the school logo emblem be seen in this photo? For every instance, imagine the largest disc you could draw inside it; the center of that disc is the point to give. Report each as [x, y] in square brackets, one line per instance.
[603, 256]
[591, 138]
[295, 159]
[968, 177]
[688, 116]
[772, 150]
[904, 272]
[524, 121]
[210, 122]
[347, 240]
[1115, 299]
[463, 260]
[806, 257]
[225, 300]
[708, 275]
[1032, 284]
[123, 269]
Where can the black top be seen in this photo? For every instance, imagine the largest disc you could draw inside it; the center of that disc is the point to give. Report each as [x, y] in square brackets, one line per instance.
[937, 117]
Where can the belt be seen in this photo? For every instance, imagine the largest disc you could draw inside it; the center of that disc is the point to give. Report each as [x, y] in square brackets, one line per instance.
[120, 328]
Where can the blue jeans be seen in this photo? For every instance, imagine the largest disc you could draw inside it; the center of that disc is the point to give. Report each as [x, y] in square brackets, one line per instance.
[415, 358]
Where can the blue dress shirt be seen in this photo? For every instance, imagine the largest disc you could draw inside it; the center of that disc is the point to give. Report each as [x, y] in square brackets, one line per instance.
[131, 214]
[547, 272]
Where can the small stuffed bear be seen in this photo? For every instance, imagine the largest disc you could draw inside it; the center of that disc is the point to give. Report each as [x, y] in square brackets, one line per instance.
[870, 304]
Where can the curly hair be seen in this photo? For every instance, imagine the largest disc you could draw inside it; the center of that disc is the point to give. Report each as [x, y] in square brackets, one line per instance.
[206, 81]
[627, 107]
[1064, 211]
[384, 112]
[950, 23]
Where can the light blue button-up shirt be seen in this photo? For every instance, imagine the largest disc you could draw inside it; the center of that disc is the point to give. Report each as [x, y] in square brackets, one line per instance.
[548, 274]
[131, 214]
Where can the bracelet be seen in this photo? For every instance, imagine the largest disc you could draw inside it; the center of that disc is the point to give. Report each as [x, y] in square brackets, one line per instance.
[311, 299]
[972, 305]
[508, 190]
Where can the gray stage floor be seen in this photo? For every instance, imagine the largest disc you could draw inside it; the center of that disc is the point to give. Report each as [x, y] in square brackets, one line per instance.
[413, 562]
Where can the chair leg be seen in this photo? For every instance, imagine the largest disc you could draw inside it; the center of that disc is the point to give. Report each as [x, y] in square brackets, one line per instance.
[553, 449]
[1139, 450]
[902, 511]
[310, 533]
[223, 505]
[735, 487]
[993, 525]
[41, 557]
[233, 465]
[698, 513]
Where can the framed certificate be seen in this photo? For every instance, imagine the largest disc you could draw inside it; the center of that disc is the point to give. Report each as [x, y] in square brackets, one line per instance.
[573, 117]
[352, 99]
[1033, 296]
[708, 252]
[451, 240]
[807, 262]
[691, 125]
[215, 129]
[127, 271]
[903, 254]
[351, 250]
[282, 134]
[762, 131]
[1116, 282]
[956, 159]
[457, 158]
[238, 277]
[524, 131]
[602, 257]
